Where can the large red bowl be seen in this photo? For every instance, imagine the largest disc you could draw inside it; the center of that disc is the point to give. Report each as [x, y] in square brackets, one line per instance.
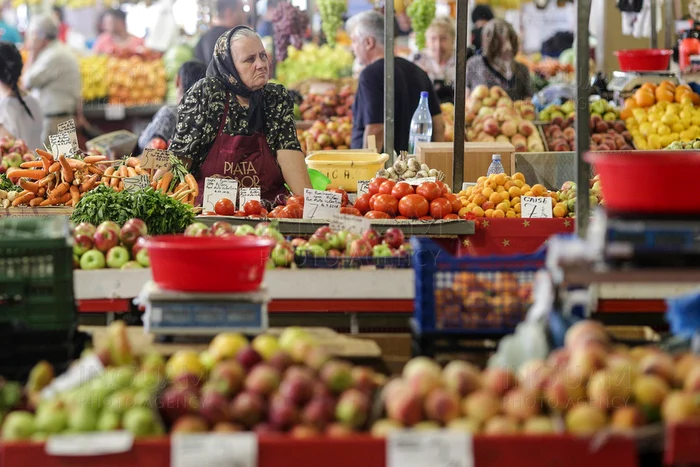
[208, 264]
[648, 182]
[644, 59]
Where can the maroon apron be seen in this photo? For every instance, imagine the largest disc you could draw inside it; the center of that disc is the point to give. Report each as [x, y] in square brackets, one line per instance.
[247, 159]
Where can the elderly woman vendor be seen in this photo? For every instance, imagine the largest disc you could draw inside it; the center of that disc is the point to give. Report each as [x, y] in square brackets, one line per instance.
[234, 124]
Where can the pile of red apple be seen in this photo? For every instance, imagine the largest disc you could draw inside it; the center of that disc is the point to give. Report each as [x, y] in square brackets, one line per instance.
[269, 386]
[109, 246]
[330, 104]
[334, 133]
[605, 135]
[13, 152]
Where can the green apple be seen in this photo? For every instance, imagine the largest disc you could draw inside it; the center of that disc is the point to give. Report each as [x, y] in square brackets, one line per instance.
[92, 259]
[117, 257]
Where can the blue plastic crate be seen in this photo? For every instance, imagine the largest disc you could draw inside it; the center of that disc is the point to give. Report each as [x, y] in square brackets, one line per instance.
[456, 295]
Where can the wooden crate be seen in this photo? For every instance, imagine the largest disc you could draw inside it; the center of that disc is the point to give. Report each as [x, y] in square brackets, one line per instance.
[477, 158]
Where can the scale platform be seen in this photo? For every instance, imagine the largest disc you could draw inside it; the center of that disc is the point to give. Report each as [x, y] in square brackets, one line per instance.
[624, 83]
[182, 313]
[652, 242]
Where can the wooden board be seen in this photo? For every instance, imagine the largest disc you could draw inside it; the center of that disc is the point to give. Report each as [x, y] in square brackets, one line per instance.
[37, 211]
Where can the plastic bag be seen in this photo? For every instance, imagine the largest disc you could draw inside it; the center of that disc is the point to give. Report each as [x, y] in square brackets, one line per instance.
[554, 94]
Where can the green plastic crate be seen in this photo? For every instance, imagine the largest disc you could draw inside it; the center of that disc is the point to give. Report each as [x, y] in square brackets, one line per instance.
[36, 273]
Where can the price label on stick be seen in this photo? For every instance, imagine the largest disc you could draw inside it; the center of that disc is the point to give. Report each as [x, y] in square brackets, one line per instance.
[214, 450]
[139, 182]
[60, 144]
[89, 444]
[362, 187]
[68, 127]
[418, 181]
[353, 224]
[216, 189]
[320, 204]
[435, 448]
[248, 194]
[536, 207]
[155, 159]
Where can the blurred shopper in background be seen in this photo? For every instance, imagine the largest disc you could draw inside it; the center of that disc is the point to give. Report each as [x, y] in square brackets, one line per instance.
[264, 26]
[438, 57]
[115, 38]
[9, 33]
[481, 14]
[53, 72]
[229, 14]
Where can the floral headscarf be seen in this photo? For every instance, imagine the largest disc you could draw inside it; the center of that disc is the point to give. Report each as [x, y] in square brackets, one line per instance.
[222, 68]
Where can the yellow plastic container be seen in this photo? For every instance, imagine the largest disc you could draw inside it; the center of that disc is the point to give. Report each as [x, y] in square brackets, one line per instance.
[346, 168]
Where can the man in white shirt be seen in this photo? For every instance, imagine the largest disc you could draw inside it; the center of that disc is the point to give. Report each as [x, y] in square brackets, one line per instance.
[53, 73]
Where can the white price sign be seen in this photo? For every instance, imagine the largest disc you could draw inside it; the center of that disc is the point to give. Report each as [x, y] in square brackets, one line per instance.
[362, 187]
[60, 144]
[155, 159]
[90, 444]
[218, 188]
[248, 194]
[68, 127]
[214, 450]
[536, 207]
[440, 448]
[139, 182]
[353, 224]
[418, 181]
[115, 112]
[81, 372]
[321, 204]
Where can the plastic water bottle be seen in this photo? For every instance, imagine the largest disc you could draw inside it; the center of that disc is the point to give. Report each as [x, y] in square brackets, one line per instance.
[421, 124]
[496, 167]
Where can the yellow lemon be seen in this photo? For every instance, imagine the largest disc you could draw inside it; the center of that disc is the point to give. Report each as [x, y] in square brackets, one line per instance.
[696, 119]
[687, 135]
[646, 128]
[675, 136]
[654, 142]
[666, 140]
[670, 119]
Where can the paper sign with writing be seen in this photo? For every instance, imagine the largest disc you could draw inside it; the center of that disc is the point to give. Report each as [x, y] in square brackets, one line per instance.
[248, 194]
[536, 207]
[155, 159]
[90, 444]
[362, 187]
[214, 450]
[440, 448]
[139, 182]
[68, 127]
[115, 112]
[61, 144]
[353, 224]
[216, 189]
[418, 181]
[466, 185]
[81, 372]
[320, 204]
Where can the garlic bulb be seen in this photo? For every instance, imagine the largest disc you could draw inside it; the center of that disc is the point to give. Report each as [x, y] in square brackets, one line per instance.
[413, 164]
[424, 167]
[421, 174]
[399, 167]
[409, 174]
[382, 173]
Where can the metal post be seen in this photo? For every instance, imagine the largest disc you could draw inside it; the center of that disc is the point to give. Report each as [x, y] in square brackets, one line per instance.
[669, 24]
[583, 13]
[654, 35]
[389, 78]
[470, 26]
[460, 94]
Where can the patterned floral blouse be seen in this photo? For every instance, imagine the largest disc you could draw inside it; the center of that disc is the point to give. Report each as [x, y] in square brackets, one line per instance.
[480, 71]
[201, 110]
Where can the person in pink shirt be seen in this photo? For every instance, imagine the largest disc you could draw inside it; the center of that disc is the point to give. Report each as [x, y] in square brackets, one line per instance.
[115, 38]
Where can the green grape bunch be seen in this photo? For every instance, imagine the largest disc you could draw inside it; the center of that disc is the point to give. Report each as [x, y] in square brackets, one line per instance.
[422, 13]
[331, 12]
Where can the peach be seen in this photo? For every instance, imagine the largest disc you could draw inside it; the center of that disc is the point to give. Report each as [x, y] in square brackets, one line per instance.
[481, 405]
[501, 425]
[558, 358]
[518, 139]
[491, 127]
[564, 390]
[422, 374]
[382, 428]
[502, 139]
[442, 406]
[468, 425]
[650, 390]
[627, 418]
[509, 128]
[658, 364]
[680, 407]
[496, 92]
[538, 425]
[584, 419]
[479, 92]
[498, 380]
[638, 353]
[461, 378]
[692, 381]
[526, 128]
[684, 365]
[534, 374]
[586, 361]
[521, 404]
[405, 407]
[610, 388]
[584, 332]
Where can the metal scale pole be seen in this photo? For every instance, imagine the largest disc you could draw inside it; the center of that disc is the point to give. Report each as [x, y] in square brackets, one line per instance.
[460, 95]
[389, 78]
[583, 115]
[669, 24]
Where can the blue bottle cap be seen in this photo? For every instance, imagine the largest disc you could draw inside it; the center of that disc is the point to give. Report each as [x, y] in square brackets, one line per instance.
[424, 94]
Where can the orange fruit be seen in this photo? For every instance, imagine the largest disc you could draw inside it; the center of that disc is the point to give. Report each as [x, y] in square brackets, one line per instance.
[518, 176]
[680, 92]
[514, 191]
[487, 192]
[644, 98]
[649, 86]
[498, 214]
[625, 113]
[630, 103]
[695, 97]
[511, 214]
[664, 95]
[478, 212]
[495, 198]
[539, 190]
[488, 213]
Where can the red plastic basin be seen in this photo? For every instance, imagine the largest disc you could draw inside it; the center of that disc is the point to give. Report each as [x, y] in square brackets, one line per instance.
[644, 59]
[648, 182]
[208, 264]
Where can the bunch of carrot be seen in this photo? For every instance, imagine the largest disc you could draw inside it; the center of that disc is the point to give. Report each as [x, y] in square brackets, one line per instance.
[176, 182]
[114, 176]
[49, 182]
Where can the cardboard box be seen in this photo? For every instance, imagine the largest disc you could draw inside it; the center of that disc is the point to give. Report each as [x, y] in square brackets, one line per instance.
[477, 158]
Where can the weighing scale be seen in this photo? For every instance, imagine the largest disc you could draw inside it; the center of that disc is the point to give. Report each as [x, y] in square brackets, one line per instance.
[624, 83]
[203, 314]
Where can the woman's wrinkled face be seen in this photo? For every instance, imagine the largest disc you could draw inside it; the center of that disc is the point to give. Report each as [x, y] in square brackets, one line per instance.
[439, 44]
[250, 59]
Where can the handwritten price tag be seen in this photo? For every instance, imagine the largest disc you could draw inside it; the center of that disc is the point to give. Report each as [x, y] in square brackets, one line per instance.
[68, 127]
[362, 187]
[214, 450]
[353, 224]
[218, 188]
[139, 182]
[90, 444]
[60, 144]
[155, 159]
[115, 112]
[84, 370]
[418, 181]
[248, 194]
[435, 448]
[320, 204]
[536, 207]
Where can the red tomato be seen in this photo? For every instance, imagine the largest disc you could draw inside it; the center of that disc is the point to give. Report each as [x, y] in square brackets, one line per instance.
[443, 186]
[440, 207]
[426, 218]
[225, 207]
[350, 211]
[402, 189]
[264, 213]
[413, 206]
[429, 190]
[386, 187]
[377, 215]
[240, 214]
[293, 211]
[385, 203]
[253, 206]
[371, 201]
[344, 201]
[451, 217]
[298, 199]
[374, 185]
[362, 203]
[158, 143]
[454, 201]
